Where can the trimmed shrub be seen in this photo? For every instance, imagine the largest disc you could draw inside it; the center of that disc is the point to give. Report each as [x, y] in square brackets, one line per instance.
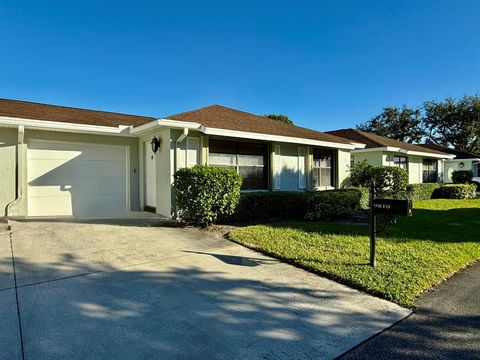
[462, 177]
[260, 206]
[390, 181]
[360, 174]
[419, 192]
[205, 193]
[330, 204]
[457, 191]
[365, 197]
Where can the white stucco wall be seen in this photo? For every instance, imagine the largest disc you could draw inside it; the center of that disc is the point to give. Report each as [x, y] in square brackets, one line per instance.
[450, 166]
[343, 167]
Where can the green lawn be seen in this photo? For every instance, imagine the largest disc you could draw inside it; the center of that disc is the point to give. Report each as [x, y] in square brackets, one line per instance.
[442, 237]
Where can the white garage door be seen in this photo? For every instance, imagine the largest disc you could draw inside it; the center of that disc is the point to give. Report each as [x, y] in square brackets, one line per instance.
[83, 180]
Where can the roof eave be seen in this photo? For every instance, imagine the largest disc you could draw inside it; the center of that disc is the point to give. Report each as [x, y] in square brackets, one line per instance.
[47, 125]
[236, 133]
[407, 152]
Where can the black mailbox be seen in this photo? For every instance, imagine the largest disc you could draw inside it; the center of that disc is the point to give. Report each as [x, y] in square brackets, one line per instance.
[392, 207]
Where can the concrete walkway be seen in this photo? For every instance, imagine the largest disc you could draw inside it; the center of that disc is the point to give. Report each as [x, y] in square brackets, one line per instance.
[445, 326]
[129, 290]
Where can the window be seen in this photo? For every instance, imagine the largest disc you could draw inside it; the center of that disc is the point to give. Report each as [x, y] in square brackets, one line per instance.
[247, 159]
[401, 162]
[322, 167]
[429, 170]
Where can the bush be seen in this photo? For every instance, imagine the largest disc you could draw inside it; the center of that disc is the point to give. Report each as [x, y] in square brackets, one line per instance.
[364, 198]
[360, 174]
[419, 192]
[457, 191]
[258, 206]
[390, 181]
[205, 193]
[462, 177]
[325, 205]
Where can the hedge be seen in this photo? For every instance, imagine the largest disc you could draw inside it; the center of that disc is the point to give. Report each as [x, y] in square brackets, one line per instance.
[462, 177]
[419, 192]
[205, 193]
[330, 204]
[457, 191]
[266, 205]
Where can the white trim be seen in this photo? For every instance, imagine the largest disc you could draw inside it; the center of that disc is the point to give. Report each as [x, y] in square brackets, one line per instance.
[237, 134]
[275, 138]
[63, 126]
[152, 125]
[406, 152]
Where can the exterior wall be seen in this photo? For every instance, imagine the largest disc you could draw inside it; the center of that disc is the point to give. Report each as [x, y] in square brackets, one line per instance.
[8, 140]
[415, 164]
[164, 175]
[375, 158]
[450, 166]
[343, 168]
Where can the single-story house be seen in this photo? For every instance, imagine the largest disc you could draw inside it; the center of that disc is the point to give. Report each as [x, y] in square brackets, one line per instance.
[62, 161]
[424, 165]
[463, 161]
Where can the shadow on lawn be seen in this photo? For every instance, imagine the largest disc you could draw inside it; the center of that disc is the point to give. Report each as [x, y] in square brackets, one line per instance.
[454, 225]
[187, 312]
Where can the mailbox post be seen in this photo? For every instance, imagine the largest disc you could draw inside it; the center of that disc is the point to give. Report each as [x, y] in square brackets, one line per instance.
[373, 228]
[389, 208]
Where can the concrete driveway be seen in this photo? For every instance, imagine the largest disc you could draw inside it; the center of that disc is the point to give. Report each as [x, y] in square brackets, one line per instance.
[129, 290]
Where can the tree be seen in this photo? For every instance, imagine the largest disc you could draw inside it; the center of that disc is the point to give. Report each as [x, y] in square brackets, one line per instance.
[454, 123]
[279, 117]
[400, 124]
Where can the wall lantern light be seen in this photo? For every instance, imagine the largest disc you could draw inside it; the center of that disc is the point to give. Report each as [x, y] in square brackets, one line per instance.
[461, 165]
[155, 144]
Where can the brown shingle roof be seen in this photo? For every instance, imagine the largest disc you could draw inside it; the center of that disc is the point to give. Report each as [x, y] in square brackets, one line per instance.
[458, 154]
[36, 111]
[221, 117]
[375, 141]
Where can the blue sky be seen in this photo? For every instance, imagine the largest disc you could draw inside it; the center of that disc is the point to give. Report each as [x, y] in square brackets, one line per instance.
[326, 64]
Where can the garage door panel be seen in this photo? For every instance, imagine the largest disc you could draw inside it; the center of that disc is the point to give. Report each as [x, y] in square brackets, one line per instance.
[91, 186]
[49, 150]
[44, 169]
[83, 180]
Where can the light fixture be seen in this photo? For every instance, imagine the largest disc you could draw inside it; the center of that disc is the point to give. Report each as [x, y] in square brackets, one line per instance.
[155, 144]
[461, 165]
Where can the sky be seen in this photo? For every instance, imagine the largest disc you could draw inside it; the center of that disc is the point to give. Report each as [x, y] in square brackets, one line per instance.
[325, 64]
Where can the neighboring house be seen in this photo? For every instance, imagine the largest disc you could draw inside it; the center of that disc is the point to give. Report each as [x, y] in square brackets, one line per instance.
[62, 161]
[462, 161]
[424, 165]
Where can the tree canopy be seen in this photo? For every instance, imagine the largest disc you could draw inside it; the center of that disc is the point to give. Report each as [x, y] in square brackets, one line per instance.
[279, 117]
[452, 123]
[400, 124]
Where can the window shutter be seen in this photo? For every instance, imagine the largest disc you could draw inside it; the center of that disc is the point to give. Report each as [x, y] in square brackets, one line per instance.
[302, 179]
[193, 151]
[278, 168]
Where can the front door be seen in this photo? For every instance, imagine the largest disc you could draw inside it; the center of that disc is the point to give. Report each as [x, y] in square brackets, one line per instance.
[150, 178]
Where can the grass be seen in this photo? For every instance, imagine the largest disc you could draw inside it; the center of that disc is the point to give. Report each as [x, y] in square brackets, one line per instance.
[440, 238]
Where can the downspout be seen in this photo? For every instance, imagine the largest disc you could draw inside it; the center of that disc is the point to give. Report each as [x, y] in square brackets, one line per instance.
[9, 210]
[175, 165]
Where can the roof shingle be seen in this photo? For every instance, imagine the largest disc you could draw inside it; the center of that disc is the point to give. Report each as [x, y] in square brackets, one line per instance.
[375, 141]
[36, 111]
[221, 117]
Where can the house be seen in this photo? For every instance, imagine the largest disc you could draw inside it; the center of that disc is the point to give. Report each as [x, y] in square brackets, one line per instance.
[424, 165]
[462, 161]
[62, 161]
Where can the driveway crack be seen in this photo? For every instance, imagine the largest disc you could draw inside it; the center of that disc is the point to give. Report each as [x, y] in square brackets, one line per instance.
[16, 296]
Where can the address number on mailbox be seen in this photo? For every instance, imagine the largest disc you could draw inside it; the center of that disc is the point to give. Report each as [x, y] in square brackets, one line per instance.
[392, 207]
